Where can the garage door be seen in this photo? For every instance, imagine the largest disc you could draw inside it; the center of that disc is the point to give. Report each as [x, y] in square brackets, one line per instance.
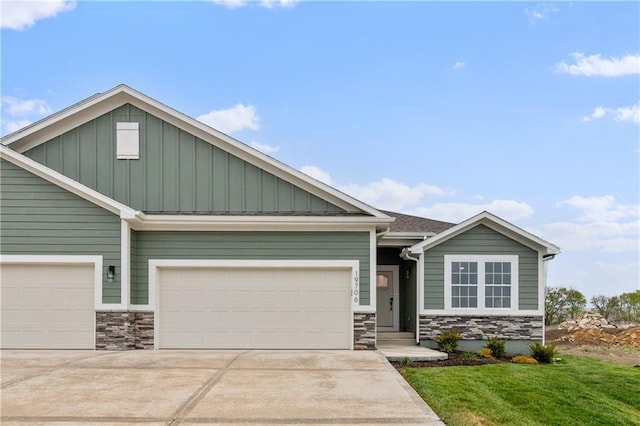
[47, 306]
[268, 308]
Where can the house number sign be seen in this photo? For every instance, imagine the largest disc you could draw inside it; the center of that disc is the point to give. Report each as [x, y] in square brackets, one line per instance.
[356, 290]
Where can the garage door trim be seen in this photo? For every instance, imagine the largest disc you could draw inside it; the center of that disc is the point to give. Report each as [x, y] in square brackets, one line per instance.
[156, 264]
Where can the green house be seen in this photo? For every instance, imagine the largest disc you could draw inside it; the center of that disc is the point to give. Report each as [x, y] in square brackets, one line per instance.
[126, 224]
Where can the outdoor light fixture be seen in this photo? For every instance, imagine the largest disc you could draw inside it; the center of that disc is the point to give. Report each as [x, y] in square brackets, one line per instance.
[111, 273]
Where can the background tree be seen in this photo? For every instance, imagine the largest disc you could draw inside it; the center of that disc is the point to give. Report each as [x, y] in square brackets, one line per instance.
[630, 307]
[608, 307]
[561, 303]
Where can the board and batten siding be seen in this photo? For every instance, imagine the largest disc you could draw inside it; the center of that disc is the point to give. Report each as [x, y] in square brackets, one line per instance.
[40, 218]
[246, 245]
[481, 240]
[176, 171]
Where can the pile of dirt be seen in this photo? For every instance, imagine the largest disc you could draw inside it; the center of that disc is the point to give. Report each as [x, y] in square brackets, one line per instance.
[586, 319]
[596, 336]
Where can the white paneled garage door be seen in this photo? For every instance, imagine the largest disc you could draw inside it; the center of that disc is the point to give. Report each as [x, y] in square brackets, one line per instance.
[47, 306]
[268, 308]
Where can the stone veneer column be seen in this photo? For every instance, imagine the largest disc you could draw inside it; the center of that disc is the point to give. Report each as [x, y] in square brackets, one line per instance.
[364, 330]
[480, 328]
[115, 330]
[124, 330]
[144, 330]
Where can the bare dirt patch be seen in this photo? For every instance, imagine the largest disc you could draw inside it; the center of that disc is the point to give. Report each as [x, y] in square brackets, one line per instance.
[621, 346]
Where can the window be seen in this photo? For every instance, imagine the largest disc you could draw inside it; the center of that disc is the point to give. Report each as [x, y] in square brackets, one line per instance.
[481, 282]
[497, 284]
[464, 285]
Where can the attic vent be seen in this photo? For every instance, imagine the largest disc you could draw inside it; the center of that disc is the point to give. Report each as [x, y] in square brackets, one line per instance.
[127, 141]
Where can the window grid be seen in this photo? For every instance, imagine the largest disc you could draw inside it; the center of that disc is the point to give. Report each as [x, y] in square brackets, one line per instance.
[464, 284]
[497, 280]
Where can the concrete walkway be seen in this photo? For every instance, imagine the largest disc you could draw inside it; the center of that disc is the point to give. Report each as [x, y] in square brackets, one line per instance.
[414, 353]
[206, 387]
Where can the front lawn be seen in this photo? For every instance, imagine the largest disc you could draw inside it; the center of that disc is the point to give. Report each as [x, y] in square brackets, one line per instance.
[576, 391]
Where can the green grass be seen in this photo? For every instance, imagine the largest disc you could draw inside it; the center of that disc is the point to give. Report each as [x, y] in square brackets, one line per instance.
[577, 391]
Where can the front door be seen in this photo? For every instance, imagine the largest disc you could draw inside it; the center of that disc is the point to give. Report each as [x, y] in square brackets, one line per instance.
[388, 298]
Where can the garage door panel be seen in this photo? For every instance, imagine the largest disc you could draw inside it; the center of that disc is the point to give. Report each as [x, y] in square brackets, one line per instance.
[254, 308]
[47, 306]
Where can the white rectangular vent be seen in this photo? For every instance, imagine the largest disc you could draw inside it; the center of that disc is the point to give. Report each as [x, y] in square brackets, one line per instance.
[127, 141]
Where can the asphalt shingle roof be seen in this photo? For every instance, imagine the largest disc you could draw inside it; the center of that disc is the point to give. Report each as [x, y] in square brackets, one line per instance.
[408, 223]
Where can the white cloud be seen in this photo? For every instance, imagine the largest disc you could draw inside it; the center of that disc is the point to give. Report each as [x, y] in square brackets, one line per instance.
[20, 15]
[13, 125]
[391, 195]
[602, 224]
[22, 112]
[601, 209]
[230, 4]
[267, 4]
[597, 65]
[317, 173]
[603, 236]
[267, 149]
[541, 10]
[458, 65]
[270, 4]
[16, 107]
[510, 210]
[630, 113]
[231, 120]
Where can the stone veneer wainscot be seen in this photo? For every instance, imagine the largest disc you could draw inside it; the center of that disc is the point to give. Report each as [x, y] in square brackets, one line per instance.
[480, 328]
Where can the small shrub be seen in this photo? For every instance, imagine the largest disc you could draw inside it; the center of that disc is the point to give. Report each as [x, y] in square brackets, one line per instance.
[405, 361]
[468, 356]
[448, 340]
[523, 359]
[496, 345]
[543, 353]
[485, 353]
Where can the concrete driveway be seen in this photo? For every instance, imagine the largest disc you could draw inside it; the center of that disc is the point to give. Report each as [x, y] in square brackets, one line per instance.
[206, 387]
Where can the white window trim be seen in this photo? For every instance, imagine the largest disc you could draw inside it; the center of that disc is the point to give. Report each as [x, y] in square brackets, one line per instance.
[481, 259]
[156, 264]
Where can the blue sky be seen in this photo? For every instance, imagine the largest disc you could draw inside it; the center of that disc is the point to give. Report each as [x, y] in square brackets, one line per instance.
[528, 110]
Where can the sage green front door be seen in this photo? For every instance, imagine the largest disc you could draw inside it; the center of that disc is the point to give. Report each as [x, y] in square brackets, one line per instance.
[387, 298]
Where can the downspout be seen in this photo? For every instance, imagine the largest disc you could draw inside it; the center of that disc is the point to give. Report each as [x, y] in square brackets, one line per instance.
[406, 255]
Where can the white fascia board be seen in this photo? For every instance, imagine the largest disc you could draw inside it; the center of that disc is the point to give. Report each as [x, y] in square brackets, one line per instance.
[403, 239]
[102, 103]
[66, 183]
[495, 223]
[254, 223]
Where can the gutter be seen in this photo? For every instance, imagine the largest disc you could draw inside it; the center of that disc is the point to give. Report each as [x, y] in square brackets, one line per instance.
[407, 255]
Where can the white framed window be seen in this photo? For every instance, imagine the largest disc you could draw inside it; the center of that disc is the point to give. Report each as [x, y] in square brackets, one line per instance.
[481, 282]
[127, 141]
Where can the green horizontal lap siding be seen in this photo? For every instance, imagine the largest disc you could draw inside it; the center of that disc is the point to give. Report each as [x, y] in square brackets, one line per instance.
[247, 245]
[481, 240]
[39, 218]
[176, 171]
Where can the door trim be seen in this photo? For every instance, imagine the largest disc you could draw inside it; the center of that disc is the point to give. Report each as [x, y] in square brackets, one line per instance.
[395, 270]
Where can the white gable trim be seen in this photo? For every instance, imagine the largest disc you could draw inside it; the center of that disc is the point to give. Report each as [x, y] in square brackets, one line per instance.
[495, 223]
[66, 183]
[100, 104]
